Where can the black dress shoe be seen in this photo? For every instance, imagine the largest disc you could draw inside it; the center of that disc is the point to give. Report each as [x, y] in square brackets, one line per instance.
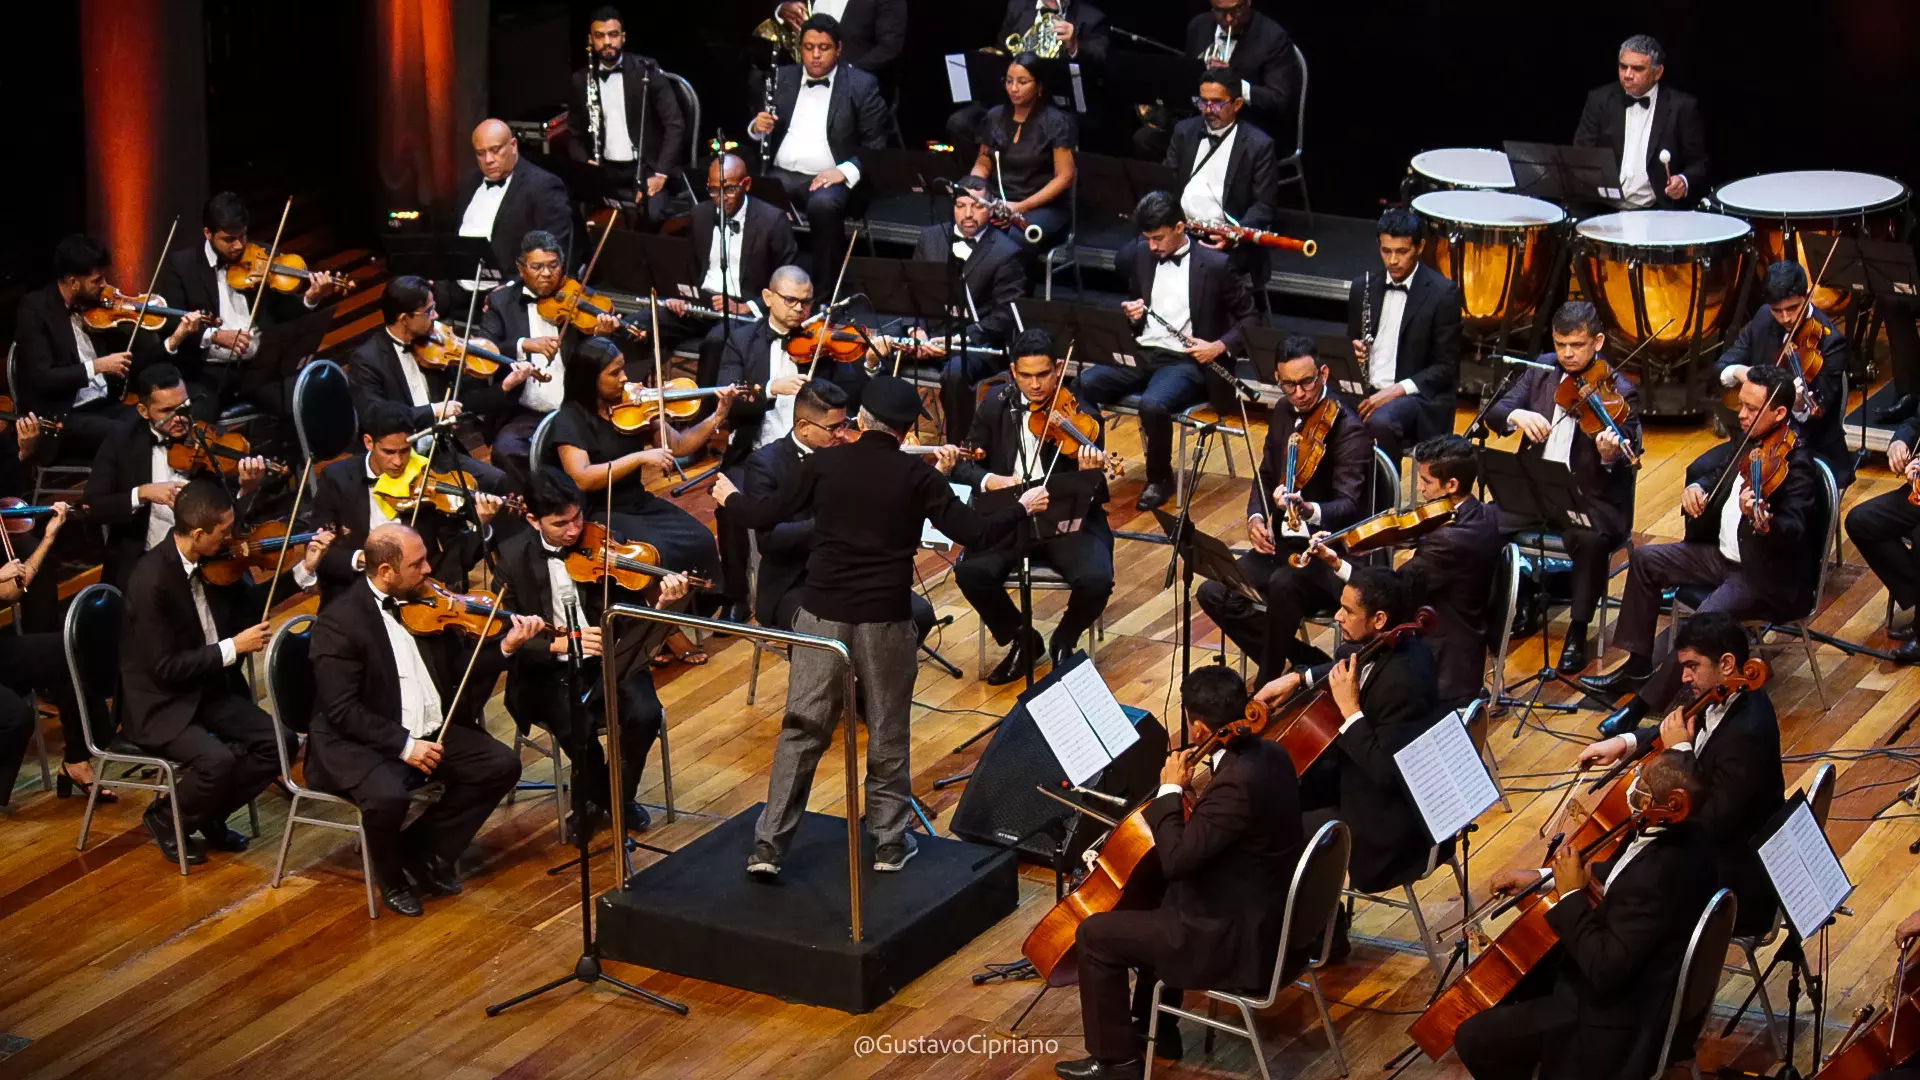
[1153, 495]
[1573, 655]
[159, 823]
[1059, 655]
[1093, 1069]
[1028, 648]
[1907, 653]
[1624, 679]
[1627, 717]
[401, 901]
[1167, 1044]
[637, 819]
[594, 821]
[221, 838]
[434, 876]
[1899, 411]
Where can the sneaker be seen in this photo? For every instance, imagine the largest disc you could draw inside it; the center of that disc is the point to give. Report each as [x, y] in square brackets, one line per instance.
[888, 858]
[764, 863]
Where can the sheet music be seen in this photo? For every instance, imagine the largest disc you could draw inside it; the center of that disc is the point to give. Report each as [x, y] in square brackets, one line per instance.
[1097, 704]
[1445, 776]
[932, 537]
[1068, 733]
[1806, 874]
[957, 83]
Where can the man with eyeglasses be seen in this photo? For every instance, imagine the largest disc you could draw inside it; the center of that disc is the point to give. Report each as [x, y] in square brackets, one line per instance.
[729, 266]
[986, 275]
[1258, 55]
[1229, 168]
[756, 355]
[633, 109]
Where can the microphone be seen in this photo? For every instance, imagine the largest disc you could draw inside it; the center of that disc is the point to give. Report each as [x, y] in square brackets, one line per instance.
[830, 308]
[1522, 362]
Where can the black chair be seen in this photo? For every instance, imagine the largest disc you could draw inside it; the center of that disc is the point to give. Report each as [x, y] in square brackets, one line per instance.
[323, 415]
[1699, 975]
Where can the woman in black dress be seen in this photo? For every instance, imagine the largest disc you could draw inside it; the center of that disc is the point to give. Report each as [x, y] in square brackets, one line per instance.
[1033, 140]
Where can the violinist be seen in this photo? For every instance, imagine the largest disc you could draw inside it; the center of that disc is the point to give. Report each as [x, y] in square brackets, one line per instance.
[36, 663]
[1405, 324]
[1736, 746]
[1005, 427]
[1753, 549]
[1280, 520]
[1228, 861]
[985, 276]
[1884, 528]
[1602, 475]
[630, 109]
[1623, 926]
[757, 354]
[1818, 406]
[1387, 705]
[729, 265]
[379, 727]
[534, 578]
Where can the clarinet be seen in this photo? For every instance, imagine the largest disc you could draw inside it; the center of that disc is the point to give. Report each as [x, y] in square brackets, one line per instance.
[766, 106]
[1366, 311]
[593, 104]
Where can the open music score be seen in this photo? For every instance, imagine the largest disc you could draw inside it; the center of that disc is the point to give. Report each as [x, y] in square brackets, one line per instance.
[1444, 774]
[1806, 874]
[1081, 721]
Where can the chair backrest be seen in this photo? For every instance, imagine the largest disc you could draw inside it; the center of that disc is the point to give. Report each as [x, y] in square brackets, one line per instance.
[1313, 897]
[290, 685]
[1700, 970]
[1385, 492]
[13, 375]
[1503, 596]
[323, 415]
[1830, 494]
[92, 639]
[689, 107]
[1820, 793]
[537, 446]
[1300, 110]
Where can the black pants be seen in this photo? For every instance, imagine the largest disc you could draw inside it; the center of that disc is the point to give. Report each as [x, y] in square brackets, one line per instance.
[736, 555]
[38, 662]
[623, 182]
[1292, 593]
[1886, 529]
[542, 699]
[1167, 383]
[1084, 559]
[826, 210]
[1507, 1041]
[512, 443]
[229, 757]
[478, 771]
[1591, 553]
[1110, 943]
[16, 733]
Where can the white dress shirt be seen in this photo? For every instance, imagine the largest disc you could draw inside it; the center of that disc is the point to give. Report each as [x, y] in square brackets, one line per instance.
[419, 697]
[483, 207]
[1359, 683]
[1636, 187]
[210, 633]
[1383, 356]
[1730, 521]
[1708, 723]
[541, 397]
[159, 515]
[96, 387]
[410, 371]
[1029, 462]
[561, 592]
[1172, 301]
[805, 148]
[615, 141]
[733, 238]
[1205, 197]
[1634, 848]
[235, 314]
[959, 245]
[777, 424]
[1559, 445]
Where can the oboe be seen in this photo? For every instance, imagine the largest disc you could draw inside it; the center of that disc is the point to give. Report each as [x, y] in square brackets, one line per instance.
[766, 106]
[1366, 310]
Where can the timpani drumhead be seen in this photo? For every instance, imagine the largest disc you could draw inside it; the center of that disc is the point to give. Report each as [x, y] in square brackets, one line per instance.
[1493, 208]
[1464, 167]
[1810, 193]
[1663, 228]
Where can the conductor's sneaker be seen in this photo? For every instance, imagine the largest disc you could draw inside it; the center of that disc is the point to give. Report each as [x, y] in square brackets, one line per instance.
[402, 901]
[891, 857]
[1095, 1069]
[764, 863]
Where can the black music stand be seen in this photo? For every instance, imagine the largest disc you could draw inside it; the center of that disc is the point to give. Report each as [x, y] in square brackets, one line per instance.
[1542, 493]
[1099, 335]
[927, 293]
[1199, 553]
[1576, 175]
[1348, 381]
[1144, 177]
[986, 76]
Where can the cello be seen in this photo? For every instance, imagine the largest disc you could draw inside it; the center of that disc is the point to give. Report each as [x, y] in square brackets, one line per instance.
[1883, 1037]
[1308, 721]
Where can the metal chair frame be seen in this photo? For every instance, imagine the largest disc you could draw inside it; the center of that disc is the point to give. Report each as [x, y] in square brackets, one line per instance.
[1693, 991]
[76, 474]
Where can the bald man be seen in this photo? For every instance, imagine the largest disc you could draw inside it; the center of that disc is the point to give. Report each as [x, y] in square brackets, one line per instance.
[512, 197]
[758, 241]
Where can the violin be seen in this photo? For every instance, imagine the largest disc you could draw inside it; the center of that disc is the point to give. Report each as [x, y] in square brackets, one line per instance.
[10, 415]
[18, 517]
[219, 452]
[681, 399]
[288, 273]
[1766, 467]
[441, 349]
[1308, 722]
[1881, 1037]
[968, 453]
[1306, 447]
[1389, 528]
[1221, 232]
[846, 344]
[436, 609]
[1070, 428]
[443, 491]
[632, 564]
[149, 310]
[1597, 402]
[572, 304]
[259, 549]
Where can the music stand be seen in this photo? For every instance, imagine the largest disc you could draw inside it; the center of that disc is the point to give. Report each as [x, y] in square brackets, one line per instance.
[442, 256]
[1542, 494]
[1811, 885]
[979, 69]
[1264, 351]
[1450, 787]
[1197, 552]
[1565, 174]
[1144, 177]
[1099, 335]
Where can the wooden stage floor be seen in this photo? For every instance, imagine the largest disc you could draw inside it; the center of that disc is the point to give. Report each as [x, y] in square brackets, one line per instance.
[117, 966]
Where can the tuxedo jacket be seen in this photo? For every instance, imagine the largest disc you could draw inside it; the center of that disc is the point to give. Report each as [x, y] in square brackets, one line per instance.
[1228, 866]
[1746, 786]
[167, 671]
[997, 427]
[1262, 57]
[856, 113]
[190, 284]
[534, 669]
[1454, 566]
[374, 374]
[1825, 435]
[1785, 558]
[535, 199]
[1089, 28]
[1676, 128]
[503, 321]
[745, 359]
[1342, 484]
[766, 245]
[873, 33]
[1219, 303]
[994, 274]
[656, 127]
[1606, 491]
[1429, 346]
[784, 547]
[1253, 178]
[340, 501]
[123, 463]
[49, 362]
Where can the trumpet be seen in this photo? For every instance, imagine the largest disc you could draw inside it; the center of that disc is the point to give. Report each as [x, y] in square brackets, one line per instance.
[777, 32]
[1040, 38]
[1220, 52]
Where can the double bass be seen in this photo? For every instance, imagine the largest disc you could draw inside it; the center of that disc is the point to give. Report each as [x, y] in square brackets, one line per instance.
[1882, 1037]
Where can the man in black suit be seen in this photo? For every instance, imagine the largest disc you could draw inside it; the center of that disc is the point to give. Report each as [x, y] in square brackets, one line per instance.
[181, 695]
[1388, 704]
[825, 113]
[1257, 52]
[1737, 748]
[1640, 120]
[1228, 864]
[1886, 529]
[1198, 307]
[1082, 31]
[343, 500]
[1602, 1011]
[1818, 405]
[1603, 477]
[1282, 516]
[1769, 573]
[226, 361]
[875, 31]
[512, 196]
[381, 726]
[732, 272]
[986, 276]
[1405, 325]
[1083, 556]
[1229, 169]
[132, 487]
[755, 355]
[629, 123]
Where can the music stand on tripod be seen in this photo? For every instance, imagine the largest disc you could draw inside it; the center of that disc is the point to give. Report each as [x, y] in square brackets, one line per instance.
[1196, 552]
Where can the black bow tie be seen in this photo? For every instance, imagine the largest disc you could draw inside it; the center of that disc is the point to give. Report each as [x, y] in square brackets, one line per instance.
[1396, 286]
[603, 74]
[158, 439]
[556, 554]
[1215, 140]
[811, 83]
[961, 238]
[733, 226]
[1640, 102]
[1172, 260]
[493, 183]
[390, 605]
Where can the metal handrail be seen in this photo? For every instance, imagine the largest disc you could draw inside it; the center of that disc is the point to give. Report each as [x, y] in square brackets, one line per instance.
[611, 694]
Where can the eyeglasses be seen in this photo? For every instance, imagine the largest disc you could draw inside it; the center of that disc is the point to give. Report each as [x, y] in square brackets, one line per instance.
[174, 411]
[1290, 386]
[1207, 105]
[831, 429]
[728, 189]
[796, 301]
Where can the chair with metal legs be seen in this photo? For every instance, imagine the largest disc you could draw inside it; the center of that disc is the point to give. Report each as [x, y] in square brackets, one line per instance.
[1699, 975]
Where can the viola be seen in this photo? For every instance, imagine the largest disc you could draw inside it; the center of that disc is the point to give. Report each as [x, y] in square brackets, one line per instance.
[259, 549]
[1070, 428]
[1308, 722]
[681, 399]
[445, 491]
[18, 517]
[1766, 467]
[632, 564]
[287, 274]
[1882, 1037]
[1389, 528]
[844, 344]
[573, 304]
[436, 609]
[1593, 397]
[441, 349]
[149, 310]
[213, 451]
[1221, 232]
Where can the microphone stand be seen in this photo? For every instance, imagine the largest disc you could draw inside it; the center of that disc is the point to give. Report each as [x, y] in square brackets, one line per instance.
[1142, 39]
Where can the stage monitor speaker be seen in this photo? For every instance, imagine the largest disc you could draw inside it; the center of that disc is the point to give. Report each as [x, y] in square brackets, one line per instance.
[1001, 807]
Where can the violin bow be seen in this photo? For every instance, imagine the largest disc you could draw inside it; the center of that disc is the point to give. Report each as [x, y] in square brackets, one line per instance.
[453, 389]
[293, 515]
[1899, 971]
[826, 315]
[266, 273]
[147, 298]
[453, 706]
[660, 385]
[1053, 402]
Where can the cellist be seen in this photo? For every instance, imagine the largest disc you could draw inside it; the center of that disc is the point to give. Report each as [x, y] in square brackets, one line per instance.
[1280, 520]
[1228, 863]
[1601, 1011]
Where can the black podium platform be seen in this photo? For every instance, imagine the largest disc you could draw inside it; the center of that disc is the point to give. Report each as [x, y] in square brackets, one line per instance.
[697, 913]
